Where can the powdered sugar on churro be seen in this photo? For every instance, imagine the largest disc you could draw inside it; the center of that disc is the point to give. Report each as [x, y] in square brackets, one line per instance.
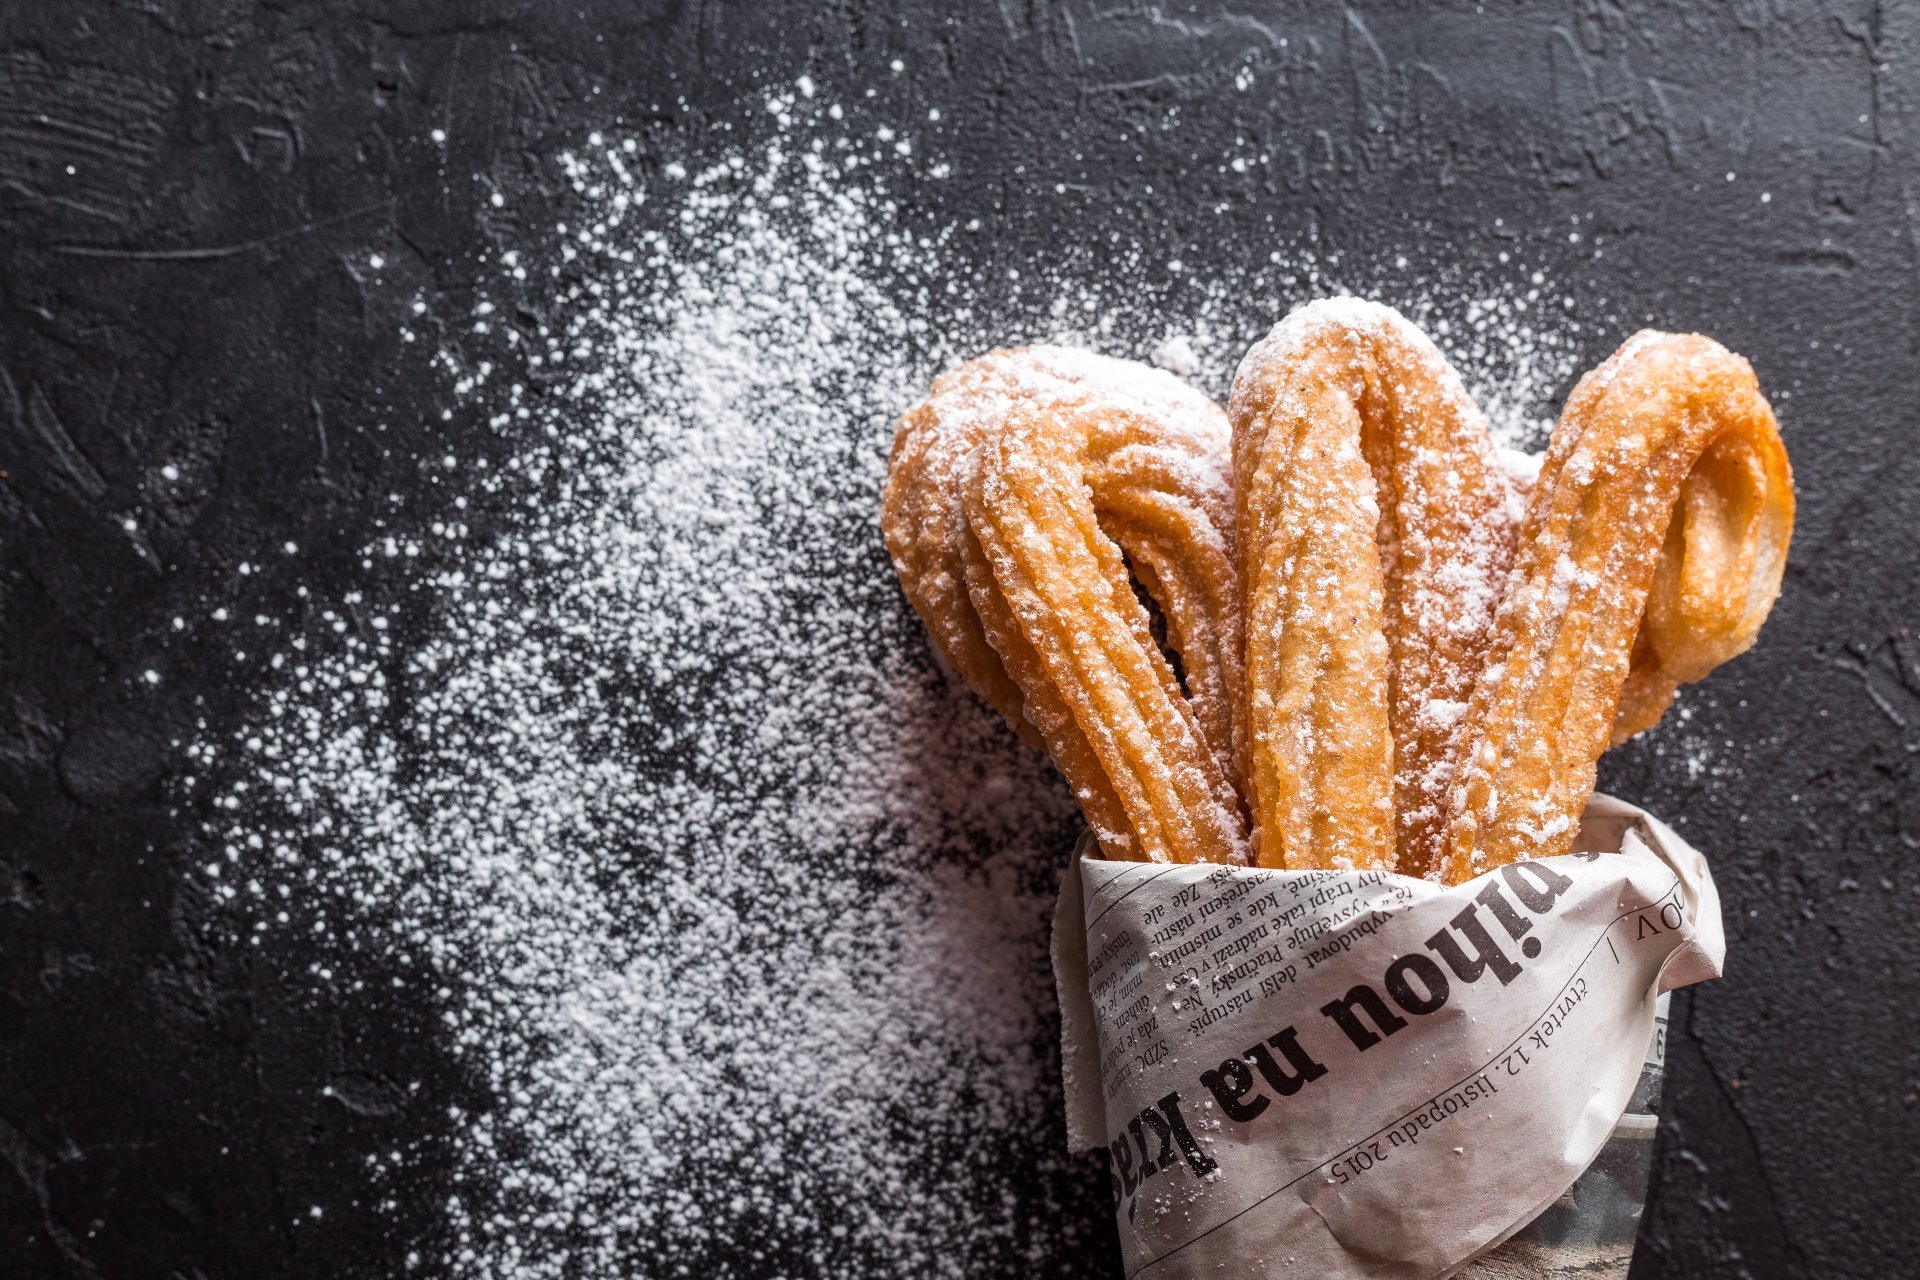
[733, 907]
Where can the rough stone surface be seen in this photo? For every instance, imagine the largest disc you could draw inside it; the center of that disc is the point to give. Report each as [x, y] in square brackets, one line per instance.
[194, 290]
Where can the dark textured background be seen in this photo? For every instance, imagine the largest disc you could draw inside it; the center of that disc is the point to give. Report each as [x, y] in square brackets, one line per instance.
[193, 293]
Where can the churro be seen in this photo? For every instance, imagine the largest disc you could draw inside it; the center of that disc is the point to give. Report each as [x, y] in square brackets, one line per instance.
[1660, 524]
[1374, 536]
[1372, 659]
[1019, 496]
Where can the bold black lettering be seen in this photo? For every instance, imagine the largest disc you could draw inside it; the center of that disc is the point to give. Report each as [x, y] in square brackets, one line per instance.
[1341, 1011]
[1431, 976]
[1512, 921]
[1486, 952]
[1162, 1130]
[1282, 1081]
[1147, 1169]
[1229, 1085]
[1199, 1161]
[1537, 898]
[1123, 1161]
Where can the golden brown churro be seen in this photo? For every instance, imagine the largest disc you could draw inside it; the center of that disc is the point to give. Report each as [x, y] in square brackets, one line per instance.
[1374, 534]
[1378, 664]
[1665, 496]
[1028, 481]
[1646, 694]
[920, 511]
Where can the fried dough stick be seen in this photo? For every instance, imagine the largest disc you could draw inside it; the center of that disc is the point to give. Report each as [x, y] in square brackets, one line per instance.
[1660, 525]
[1374, 523]
[1017, 496]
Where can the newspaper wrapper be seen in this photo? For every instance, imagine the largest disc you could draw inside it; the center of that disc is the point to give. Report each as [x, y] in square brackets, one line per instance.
[1348, 1074]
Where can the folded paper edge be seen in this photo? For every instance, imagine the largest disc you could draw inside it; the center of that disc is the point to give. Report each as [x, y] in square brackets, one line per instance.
[1079, 1034]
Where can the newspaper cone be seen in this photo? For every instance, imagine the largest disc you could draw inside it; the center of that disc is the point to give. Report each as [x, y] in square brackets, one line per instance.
[1346, 1074]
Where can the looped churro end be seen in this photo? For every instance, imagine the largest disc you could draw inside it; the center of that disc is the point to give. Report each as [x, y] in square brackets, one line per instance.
[1064, 476]
[1658, 528]
[1373, 517]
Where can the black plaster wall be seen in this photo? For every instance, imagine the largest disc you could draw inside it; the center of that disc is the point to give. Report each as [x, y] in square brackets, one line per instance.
[193, 291]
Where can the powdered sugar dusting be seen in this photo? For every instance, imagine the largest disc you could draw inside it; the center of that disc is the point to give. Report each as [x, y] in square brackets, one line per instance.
[733, 904]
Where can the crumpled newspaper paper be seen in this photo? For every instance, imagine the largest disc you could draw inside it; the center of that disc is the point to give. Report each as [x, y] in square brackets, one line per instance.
[1358, 1074]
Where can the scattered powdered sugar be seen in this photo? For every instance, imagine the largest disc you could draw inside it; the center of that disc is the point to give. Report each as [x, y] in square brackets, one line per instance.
[733, 904]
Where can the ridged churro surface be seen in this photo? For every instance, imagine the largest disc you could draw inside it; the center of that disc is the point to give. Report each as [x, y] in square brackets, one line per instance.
[1390, 648]
[1374, 520]
[1024, 499]
[1658, 528]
